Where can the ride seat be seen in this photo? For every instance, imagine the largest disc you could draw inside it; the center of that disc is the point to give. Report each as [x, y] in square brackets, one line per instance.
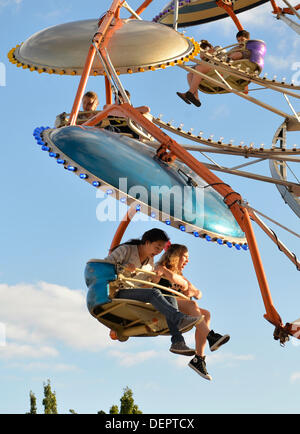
[236, 83]
[257, 50]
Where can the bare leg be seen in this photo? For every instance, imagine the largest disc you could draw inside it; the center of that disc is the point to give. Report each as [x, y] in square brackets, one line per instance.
[190, 307]
[191, 96]
[195, 79]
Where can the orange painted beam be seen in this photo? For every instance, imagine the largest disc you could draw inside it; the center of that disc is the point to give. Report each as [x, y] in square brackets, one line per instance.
[271, 313]
[104, 25]
[276, 9]
[122, 228]
[142, 8]
[82, 85]
[108, 91]
[230, 11]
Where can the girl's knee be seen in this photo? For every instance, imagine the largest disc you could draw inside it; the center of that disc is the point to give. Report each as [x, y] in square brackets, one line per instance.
[206, 314]
[195, 308]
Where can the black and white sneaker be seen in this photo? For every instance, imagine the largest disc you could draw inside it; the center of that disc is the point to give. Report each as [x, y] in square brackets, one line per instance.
[215, 340]
[199, 365]
[182, 349]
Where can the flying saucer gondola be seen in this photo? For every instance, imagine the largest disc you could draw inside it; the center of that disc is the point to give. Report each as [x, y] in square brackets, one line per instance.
[194, 12]
[136, 46]
[173, 193]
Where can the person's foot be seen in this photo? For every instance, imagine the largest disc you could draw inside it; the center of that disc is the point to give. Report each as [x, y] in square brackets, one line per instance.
[215, 340]
[188, 321]
[198, 365]
[191, 97]
[181, 348]
[183, 96]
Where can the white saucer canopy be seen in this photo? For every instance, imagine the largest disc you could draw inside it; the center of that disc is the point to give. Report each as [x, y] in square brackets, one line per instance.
[135, 47]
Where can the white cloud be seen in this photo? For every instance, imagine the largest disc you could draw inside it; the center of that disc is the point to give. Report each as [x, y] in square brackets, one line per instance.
[130, 359]
[38, 317]
[13, 351]
[40, 366]
[260, 16]
[295, 377]
[255, 18]
[4, 3]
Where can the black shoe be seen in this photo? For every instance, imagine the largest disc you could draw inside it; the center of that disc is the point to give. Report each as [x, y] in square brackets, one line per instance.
[181, 348]
[189, 321]
[183, 96]
[215, 340]
[199, 365]
[193, 99]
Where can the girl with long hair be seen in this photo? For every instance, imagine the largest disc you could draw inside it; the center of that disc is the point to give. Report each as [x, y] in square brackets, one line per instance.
[170, 266]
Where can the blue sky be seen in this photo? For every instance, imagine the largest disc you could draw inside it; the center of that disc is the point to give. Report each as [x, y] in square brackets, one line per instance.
[49, 230]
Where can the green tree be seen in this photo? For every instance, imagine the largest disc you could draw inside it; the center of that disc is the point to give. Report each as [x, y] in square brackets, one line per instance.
[127, 403]
[33, 409]
[49, 401]
[114, 410]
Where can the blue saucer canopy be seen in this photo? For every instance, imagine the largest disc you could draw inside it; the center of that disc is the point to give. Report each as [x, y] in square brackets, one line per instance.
[131, 171]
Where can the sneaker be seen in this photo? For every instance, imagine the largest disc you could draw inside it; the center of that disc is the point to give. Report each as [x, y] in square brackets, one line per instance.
[189, 321]
[199, 365]
[182, 348]
[182, 96]
[190, 97]
[215, 340]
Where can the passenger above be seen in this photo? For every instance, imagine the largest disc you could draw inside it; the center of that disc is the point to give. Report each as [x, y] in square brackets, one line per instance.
[90, 103]
[171, 265]
[191, 96]
[237, 53]
[139, 254]
[240, 51]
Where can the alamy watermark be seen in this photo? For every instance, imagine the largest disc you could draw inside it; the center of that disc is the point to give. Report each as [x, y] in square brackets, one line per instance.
[2, 74]
[182, 203]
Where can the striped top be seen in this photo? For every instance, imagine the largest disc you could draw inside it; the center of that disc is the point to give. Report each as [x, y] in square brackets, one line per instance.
[129, 254]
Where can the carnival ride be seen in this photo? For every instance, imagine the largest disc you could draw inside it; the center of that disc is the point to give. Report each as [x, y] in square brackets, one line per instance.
[205, 207]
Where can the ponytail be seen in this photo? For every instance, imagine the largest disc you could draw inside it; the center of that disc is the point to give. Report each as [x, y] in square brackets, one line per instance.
[150, 236]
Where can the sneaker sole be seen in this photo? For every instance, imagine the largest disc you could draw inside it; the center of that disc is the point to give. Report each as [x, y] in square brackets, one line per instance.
[189, 326]
[206, 377]
[184, 353]
[183, 97]
[220, 342]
